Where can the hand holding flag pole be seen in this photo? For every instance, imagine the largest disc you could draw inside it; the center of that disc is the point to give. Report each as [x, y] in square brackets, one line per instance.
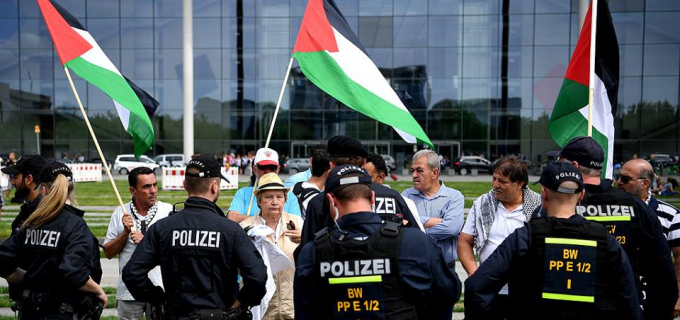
[96, 144]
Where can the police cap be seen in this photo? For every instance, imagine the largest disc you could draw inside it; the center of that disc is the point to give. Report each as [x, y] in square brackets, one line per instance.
[338, 177]
[52, 169]
[207, 168]
[344, 146]
[559, 172]
[584, 150]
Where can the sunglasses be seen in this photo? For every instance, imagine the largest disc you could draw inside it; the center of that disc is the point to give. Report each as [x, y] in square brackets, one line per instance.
[626, 179]
[267, 168]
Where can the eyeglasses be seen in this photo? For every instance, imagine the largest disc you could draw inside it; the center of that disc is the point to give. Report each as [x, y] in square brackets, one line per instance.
[267, 167]
[626, 179]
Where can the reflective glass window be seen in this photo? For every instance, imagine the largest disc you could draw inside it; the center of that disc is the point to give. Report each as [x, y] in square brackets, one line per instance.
[37, 64]
[230, 63]
[102, 9]
[660, 89]
[105, 32]
[662, 5]
[481, 30]
[444, 62]
[10, 64]
[520, 61]
[659, 121]
[524, 6]
[69, 126]
[550, 61]
[376, 32]
[520, 94]
[297, 8]
[272, 63]
[272, 33]
[553, 6]
[481, 62]
[630, 91]
[521, 29]
[168, 63]
[207, 120]
[135, 8]
[445, 31]
[445, 93]
[348, 7]
[137, 63]
[230, 32]
[375, 8]
[662, 60]
[412, 91]
[206, 8]
[410, 57]
[446, 7]
[63, 95]
[661, 27]
[627, 5]
[229, 8]
[9, 9]
[410, 7]
[168, 32]
[29, 9]
[445, 124]
[272, 8]
[552, 29]
[9, 35]
[207, 64]
[475, 125]
[628, 26]
[410, 31]
[34, 34]
[168, 8]
[473, 7]
[382, 57]
[630, 57]
[206, 33]
[136, 33]
[170, 93]
[546, 90]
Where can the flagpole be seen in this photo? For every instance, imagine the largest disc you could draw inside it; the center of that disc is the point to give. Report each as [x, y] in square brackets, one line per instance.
[271, 127]
[278, 103]
[96, 143]
[591, 81]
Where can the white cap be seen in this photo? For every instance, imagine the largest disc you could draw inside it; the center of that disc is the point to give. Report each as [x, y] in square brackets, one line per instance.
[266, 157]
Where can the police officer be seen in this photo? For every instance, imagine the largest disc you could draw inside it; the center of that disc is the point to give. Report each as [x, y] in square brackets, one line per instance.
[200, 252]
[389, 204]
[557, 267]
[362, 269]
[61, 255]
[24, 175]
[632, 223]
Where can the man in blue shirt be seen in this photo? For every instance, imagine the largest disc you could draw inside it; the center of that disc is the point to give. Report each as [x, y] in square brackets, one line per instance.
[266, 161]
[440, 208]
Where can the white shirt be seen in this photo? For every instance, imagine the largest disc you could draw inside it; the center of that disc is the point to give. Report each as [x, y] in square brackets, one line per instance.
[115, 228]
[504, 224]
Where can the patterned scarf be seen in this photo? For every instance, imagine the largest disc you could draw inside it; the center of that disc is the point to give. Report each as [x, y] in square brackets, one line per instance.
[143, 224]
[486, 212]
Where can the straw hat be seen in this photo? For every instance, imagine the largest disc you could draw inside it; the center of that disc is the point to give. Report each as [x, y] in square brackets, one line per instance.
[270, 181]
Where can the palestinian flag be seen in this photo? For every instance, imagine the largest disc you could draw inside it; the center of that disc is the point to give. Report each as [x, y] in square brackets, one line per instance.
[79, 52]
[569, 118]
[331, 56]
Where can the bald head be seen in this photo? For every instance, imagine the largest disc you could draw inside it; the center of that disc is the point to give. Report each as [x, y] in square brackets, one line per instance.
[559, 204]
[636, 177]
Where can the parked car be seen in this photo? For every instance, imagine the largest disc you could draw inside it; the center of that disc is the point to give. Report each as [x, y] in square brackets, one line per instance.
[464, 165]
[170, 160]
[389, 161]
[126, 162]
[660, 160]
[295, 165]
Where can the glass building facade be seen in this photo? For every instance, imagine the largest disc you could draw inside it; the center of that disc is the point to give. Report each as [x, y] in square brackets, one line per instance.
[481, 76]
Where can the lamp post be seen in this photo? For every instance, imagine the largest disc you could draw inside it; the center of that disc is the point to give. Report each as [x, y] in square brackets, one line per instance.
[37, 137]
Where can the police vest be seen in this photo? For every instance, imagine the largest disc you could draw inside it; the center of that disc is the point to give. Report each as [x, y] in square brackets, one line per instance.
[565, 272]
[360, 279]
[617, 211]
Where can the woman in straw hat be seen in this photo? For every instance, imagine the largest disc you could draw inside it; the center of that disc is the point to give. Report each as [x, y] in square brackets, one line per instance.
[271, 197]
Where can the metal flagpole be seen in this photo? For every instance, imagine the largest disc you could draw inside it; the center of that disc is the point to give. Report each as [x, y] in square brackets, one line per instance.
[96, 143]
[271, 127]
[591, 81]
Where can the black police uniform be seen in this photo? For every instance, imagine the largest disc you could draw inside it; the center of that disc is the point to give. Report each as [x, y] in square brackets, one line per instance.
[373, 271]
[25, 211]
[388, 204]
[639, 232]
[60, 257]
[556, 269]
[200, 252]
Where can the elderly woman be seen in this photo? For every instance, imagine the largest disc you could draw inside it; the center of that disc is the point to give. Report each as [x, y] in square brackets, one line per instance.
[271, 197]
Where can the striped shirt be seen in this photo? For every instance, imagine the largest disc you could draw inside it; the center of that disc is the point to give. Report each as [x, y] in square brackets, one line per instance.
[669, 217]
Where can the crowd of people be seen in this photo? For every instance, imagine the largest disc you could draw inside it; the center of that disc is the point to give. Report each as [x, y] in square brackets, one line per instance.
[335, 242]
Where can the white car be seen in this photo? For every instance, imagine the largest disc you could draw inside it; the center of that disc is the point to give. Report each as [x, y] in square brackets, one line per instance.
[126, 162]
[170, 160]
